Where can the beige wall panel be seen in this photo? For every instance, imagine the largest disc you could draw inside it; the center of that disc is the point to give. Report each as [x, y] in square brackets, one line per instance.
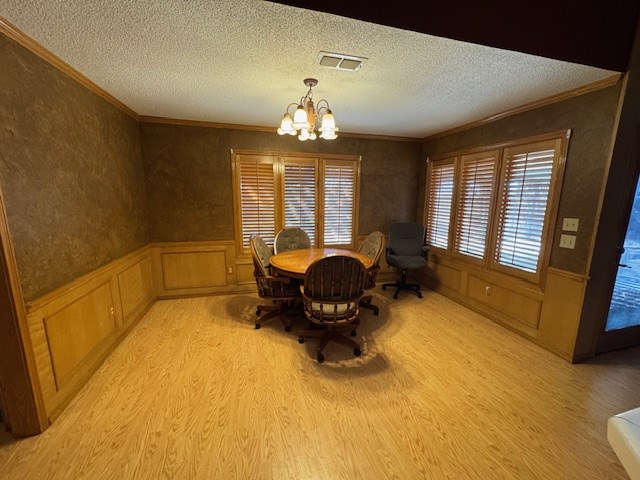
[244, 272]
[520, 307]
[449, 277]
[136, 287]
[561, 313]
[193, 269]
[77, 329]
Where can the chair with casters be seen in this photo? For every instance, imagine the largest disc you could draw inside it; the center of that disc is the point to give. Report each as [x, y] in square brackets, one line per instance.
[372, 247]
[280, 290]
[330, 295]
[291, 238]
[406, 251]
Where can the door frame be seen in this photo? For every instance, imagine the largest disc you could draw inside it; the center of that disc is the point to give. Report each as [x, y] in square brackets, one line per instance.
[23, 407]
[624, 337]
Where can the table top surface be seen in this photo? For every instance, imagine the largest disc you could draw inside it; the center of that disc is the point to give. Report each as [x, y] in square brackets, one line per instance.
[296, 262]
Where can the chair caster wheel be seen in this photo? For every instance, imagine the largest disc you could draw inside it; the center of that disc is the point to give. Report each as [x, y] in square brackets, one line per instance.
[300, 339]
[357, 352]
[257, 326]
[375, 312]
[419, 295]
[287, 328]
[353, 333]
[395, 296]
[258, 311]
[320, 358]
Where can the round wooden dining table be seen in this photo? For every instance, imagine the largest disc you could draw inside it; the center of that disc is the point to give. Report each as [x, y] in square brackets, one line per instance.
[294, 263]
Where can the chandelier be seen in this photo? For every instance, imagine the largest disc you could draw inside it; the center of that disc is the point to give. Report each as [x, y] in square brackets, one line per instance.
[303, 122]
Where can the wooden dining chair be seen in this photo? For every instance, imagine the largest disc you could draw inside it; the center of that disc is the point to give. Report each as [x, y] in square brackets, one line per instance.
[331, 292]
[372, 247]
[291, 238]
[280, 290]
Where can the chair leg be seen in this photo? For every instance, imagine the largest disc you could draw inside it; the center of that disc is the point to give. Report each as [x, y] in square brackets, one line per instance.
[365, 302]
[402, 284]
[328, 335]
[272, 311]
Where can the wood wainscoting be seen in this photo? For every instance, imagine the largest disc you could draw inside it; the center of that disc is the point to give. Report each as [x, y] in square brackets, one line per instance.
[182, 269]
[547, 314]
[75, 327]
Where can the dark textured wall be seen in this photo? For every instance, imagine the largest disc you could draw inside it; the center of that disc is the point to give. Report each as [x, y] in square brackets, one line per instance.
[71, 173]
[591, 118]
[189, 183]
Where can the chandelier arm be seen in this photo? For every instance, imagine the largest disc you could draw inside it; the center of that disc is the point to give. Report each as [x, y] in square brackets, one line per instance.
[293, 104]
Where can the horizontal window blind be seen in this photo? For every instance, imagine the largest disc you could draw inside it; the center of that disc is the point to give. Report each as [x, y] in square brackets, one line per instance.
[339, 202]
[440, 194]
[477, 179]
[300, 197]
[523, 207]
[257, 199]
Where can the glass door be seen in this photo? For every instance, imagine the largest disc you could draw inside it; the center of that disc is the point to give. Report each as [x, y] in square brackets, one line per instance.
[623, 320]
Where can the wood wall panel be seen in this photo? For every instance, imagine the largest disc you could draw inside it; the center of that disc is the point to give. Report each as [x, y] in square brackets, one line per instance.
[520, 307]
[549, 316]
[244, 272]
[200, 268]
[193, 269]
[560, 316]
[75, 327]
[74, 331]
[136, 287]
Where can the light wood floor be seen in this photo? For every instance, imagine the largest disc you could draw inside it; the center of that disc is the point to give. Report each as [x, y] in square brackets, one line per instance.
[439, 393]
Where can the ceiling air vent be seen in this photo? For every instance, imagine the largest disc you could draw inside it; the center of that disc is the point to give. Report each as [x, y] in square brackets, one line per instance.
[350, 63]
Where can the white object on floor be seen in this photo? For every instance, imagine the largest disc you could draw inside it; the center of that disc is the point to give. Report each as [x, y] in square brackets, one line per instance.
[623, 433]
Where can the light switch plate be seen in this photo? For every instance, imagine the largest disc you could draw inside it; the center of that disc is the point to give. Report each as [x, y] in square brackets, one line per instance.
[568, 241]
[570, 224]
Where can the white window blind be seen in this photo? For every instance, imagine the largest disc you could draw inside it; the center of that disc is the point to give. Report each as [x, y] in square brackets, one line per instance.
[440, 194]
[339, 202]
[523, 205]
[477, 179]
[257, 199]
[300, 196]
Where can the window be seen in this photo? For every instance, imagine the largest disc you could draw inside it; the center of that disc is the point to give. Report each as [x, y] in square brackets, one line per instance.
[257, 196]
[317, 194]
[504, 201]
[339, 202]
[523, 206]
[477, 180]
[300, 195]
[440, 177]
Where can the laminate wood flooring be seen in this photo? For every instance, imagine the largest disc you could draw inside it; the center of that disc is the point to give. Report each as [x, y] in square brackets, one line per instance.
[440, 392]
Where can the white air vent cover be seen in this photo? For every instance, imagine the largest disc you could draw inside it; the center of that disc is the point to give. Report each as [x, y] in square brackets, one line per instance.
[339, 61]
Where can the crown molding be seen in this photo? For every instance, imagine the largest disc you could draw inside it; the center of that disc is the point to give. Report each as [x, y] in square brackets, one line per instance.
[17, 35]
[591, 87]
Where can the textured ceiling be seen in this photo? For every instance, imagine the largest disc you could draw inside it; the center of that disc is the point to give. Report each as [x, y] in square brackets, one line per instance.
[243, 61]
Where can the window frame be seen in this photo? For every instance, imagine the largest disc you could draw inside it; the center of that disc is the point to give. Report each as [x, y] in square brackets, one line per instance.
[445, 160]
[561, 139]
[455, 253]
[278, 160]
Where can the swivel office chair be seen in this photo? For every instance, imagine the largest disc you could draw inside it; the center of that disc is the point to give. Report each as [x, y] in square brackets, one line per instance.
[406, 251]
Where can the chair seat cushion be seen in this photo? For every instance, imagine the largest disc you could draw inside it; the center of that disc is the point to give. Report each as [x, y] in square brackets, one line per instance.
[405, 261]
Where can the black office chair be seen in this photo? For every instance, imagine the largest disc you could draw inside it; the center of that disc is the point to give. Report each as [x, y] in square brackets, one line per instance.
[406, 250]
